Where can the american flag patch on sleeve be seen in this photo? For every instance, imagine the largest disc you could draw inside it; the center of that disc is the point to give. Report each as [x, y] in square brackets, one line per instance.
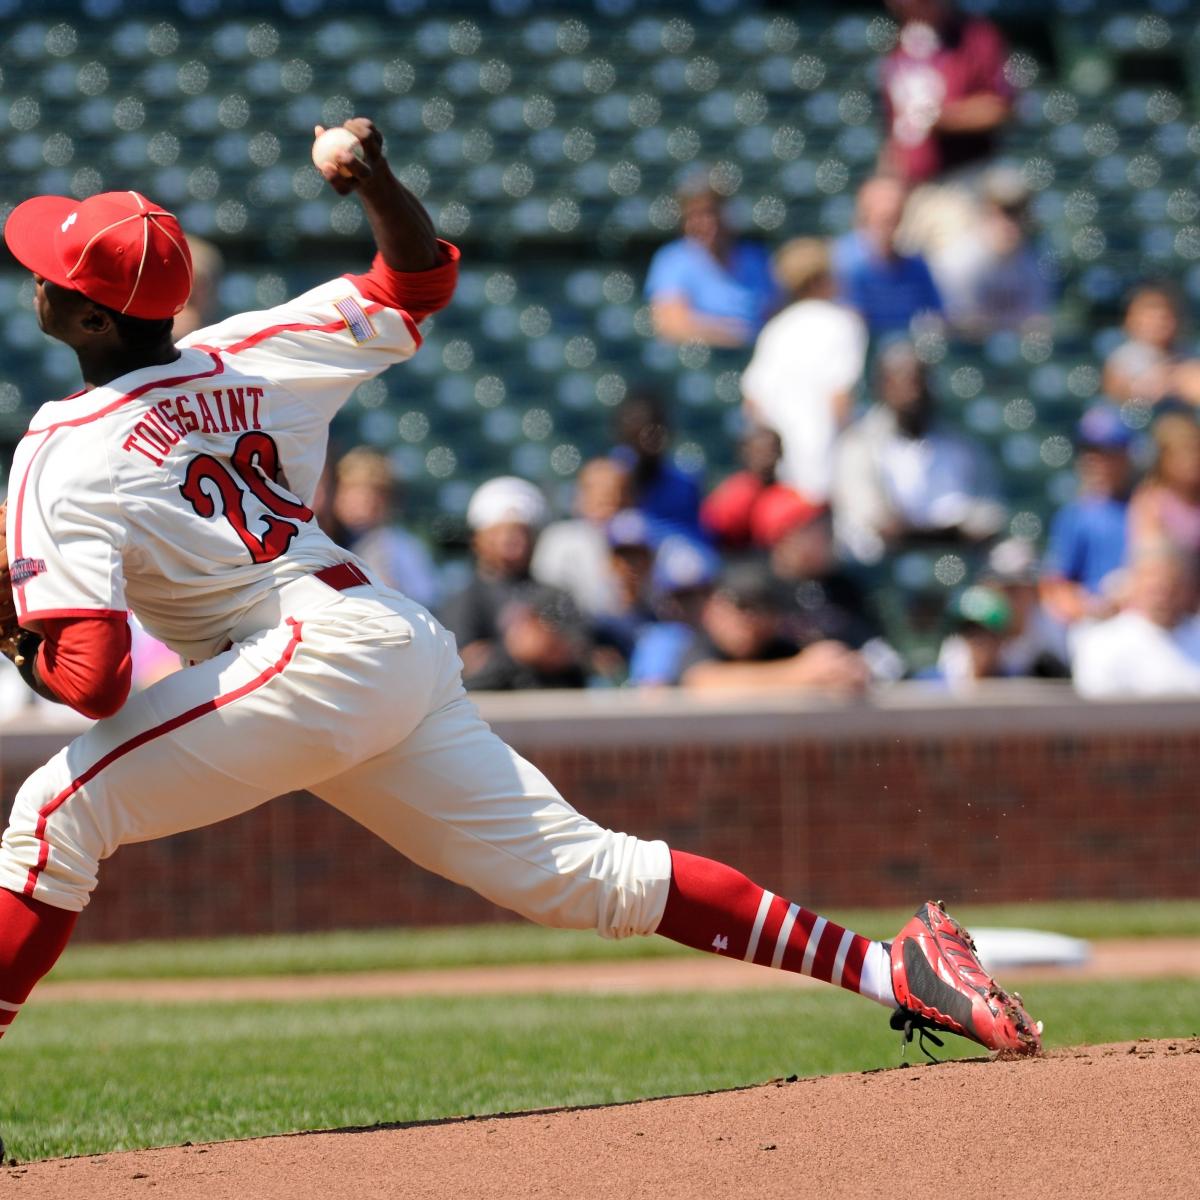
[357, 321]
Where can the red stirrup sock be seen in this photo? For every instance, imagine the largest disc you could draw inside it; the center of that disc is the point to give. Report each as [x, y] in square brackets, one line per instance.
[715, 908]
[32, 936]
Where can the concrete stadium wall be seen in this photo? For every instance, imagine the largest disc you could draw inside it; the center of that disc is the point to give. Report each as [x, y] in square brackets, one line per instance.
[1022, 793]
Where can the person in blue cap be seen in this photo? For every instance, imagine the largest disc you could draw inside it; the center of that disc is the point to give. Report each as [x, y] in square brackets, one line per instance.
[1089, 536]
[682, 579]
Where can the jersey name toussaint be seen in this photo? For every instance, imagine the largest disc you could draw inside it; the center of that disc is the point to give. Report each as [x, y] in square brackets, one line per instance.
[183, 492]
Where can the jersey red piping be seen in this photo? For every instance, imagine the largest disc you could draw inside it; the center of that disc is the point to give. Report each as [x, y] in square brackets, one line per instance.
[216, 352]
[200, 710]
[329, 327]
[149, 386]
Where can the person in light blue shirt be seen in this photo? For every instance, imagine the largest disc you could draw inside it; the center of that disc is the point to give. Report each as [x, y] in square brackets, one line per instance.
[709, 286]
[887, 288]
[1089, 536]
[683, 576]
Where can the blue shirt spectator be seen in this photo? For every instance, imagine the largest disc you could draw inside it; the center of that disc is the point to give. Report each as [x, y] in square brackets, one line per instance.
[658, 654]
[888, 288]
[740, 286]
[682, 579]
[668, 497]
[1089, 536]
[707, 286]
[887, 291]
[1088, 541]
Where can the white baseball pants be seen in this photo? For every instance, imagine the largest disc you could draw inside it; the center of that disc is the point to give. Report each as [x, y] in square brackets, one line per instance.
[357, 697]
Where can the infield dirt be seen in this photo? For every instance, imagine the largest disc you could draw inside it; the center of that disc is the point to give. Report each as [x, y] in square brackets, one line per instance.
[1098, 1120]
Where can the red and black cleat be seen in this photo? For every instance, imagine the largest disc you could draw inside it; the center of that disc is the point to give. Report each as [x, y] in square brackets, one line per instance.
[940, 984]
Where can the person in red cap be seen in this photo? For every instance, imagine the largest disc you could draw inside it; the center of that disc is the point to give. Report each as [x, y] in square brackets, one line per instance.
[178, 484]
[740, 512]
[118, 250]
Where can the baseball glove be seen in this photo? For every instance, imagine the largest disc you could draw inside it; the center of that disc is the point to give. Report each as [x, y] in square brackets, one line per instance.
[10, 630]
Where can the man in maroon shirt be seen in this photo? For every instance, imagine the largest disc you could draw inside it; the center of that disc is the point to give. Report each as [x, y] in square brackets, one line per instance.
[944, 91]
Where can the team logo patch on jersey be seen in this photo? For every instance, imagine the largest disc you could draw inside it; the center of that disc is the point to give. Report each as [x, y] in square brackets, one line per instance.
[357, 321]
[22, 570]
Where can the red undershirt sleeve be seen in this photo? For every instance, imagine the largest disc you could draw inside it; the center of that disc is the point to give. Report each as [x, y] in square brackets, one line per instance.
[418, 293]
[86, 663]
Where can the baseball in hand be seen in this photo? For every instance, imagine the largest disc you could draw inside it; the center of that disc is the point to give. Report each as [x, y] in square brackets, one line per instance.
[328, 147]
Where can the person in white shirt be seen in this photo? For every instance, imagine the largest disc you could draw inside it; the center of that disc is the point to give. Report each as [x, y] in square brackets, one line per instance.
[364, 498]
[806, 363]
[1152, 646]
[575, 554]
[990, 276]
[900, 478]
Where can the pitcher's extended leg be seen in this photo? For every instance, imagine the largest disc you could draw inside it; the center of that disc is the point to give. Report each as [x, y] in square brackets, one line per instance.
[458, 801]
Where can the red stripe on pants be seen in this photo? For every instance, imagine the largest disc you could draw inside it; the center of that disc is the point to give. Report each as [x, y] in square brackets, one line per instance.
[148, 735]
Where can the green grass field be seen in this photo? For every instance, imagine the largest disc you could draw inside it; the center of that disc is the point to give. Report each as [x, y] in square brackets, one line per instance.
[81, 1078]
[413, 949]
[93, 1077]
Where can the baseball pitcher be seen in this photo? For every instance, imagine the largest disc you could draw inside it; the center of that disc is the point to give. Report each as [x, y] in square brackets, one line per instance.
[178, 484]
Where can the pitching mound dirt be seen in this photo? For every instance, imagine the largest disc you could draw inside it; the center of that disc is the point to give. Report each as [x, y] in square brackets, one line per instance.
[1097, 1120]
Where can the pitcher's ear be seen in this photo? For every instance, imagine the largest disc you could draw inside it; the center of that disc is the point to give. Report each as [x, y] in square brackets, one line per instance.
[95, 320]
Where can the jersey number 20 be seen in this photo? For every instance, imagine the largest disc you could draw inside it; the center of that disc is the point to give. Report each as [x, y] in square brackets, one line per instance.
[255, 461]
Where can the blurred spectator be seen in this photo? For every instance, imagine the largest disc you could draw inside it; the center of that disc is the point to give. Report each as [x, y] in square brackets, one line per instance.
[709, 286]
[631, 560]
[1089, 536]
[1166, 504]
[363, 505]
[900, 478]
[208, 266]
[1152, 647]
[682, 581]
[740, 512]
[945, 99]
[1035, 644]
[823, 601]
[806, 363]
[512, 631]
[544, 644]
[669, 497]
[1151, 365]
[741, 645]
[944, 91]
[575, 555]
[983, 619]
[989, 276]
[888, 288]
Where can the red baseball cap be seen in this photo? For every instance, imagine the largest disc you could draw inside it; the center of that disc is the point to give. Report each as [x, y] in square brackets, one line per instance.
[116, 248]
[778, 511]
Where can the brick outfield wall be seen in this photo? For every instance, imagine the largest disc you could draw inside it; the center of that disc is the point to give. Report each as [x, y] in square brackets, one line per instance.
[860, 807]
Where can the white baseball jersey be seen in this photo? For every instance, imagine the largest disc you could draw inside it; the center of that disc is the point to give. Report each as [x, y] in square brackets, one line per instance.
[182, 492]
